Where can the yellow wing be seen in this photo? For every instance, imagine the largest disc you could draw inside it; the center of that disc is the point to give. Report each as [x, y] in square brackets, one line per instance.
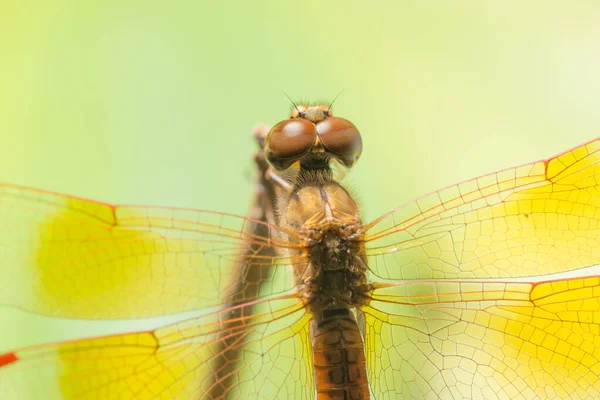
[485, 340]
[537, 219]
[182, 361]
[71, 257]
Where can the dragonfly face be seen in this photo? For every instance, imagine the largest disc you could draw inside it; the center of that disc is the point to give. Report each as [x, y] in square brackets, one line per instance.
[313, 136]
[459, 294]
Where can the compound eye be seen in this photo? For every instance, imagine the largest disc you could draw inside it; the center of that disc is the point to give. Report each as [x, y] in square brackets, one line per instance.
[341, 138]
[288, 141]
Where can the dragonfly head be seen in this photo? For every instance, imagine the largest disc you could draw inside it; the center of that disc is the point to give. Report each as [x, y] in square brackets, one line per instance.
[310, 131]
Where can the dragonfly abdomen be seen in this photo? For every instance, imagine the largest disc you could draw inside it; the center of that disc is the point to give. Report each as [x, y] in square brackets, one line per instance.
[339, 357]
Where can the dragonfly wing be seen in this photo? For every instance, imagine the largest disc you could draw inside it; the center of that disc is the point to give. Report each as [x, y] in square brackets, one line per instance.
[540, 218]
[175, 362]
[494, 340]
[71, 257]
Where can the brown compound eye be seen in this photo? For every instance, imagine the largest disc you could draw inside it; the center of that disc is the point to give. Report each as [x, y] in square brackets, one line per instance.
[289, 141]
[341, 138]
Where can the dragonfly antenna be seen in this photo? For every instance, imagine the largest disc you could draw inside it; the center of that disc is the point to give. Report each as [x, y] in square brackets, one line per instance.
[335, 98]
[291, 101]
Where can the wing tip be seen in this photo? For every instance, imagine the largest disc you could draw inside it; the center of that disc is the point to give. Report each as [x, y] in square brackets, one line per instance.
[7, 358]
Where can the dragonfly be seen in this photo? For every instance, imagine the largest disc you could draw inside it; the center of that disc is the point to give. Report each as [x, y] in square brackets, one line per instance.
[484, 289]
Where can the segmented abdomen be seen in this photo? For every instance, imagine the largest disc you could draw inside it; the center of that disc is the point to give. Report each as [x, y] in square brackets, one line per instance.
[339, 358]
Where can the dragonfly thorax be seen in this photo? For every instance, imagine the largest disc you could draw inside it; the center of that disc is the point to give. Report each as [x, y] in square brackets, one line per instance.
[331, 268]
[333, 247]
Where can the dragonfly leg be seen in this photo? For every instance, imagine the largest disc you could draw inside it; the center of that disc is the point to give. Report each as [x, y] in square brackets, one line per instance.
[278, 180]
[267, 172]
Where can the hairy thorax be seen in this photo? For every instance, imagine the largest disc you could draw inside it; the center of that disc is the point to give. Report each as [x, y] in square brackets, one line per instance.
[328, 221]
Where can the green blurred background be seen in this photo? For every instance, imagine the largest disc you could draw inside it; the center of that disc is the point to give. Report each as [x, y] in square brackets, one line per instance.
[150, 103]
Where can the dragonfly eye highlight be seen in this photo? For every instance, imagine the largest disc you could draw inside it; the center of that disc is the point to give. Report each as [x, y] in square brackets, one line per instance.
[289, 141]
[341, 138]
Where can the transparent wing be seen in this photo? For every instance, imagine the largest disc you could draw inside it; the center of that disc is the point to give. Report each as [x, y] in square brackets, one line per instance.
[180, 361]
[492, 340]
[72, 257]
[540, 218]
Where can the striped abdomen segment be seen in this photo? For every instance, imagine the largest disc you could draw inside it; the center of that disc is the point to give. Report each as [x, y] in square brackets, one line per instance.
[339, 358]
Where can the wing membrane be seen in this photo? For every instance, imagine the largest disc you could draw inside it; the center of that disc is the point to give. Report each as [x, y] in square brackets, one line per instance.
[175, 362]
[537, 219]
[490, 340]
[72, 257]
